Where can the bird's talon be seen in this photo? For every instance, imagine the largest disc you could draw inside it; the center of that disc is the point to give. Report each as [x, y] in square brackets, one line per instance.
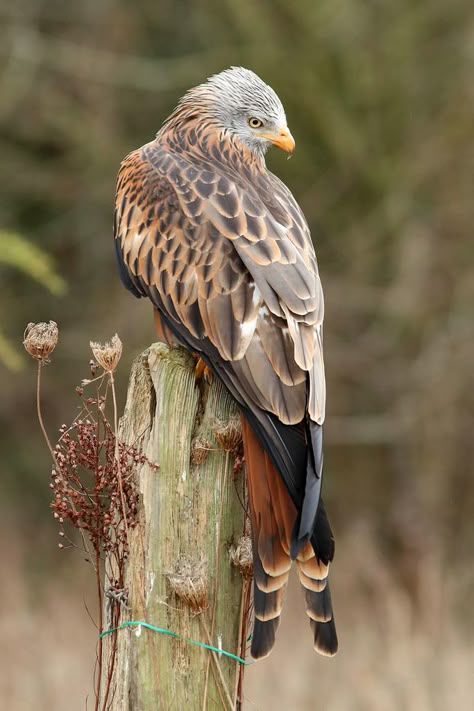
[202, 371]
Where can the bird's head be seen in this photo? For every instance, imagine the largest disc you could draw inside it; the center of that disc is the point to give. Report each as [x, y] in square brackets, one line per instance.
[243, 105]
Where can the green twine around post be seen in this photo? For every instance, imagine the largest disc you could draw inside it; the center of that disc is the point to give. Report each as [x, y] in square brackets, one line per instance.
[161, 630]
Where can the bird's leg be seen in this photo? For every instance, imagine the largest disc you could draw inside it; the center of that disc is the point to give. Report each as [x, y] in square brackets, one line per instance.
[201, 370]
[165, 336]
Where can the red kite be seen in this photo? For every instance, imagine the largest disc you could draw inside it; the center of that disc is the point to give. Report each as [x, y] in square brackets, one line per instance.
[221, 248]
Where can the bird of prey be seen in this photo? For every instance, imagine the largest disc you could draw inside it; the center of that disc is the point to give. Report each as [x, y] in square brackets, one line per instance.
[223, 251]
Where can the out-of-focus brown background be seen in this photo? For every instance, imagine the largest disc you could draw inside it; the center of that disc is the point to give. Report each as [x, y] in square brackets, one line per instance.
[379, 97]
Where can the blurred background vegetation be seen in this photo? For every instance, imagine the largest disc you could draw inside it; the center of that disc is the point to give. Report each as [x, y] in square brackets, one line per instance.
[379, 96]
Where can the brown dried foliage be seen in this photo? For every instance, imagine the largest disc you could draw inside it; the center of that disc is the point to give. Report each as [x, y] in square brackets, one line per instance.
[241, 556]
[85, 483]
[95, 491]
[190, 582]
[229, 433]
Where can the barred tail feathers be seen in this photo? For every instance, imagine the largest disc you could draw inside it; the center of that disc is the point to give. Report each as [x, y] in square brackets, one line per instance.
[273, 516]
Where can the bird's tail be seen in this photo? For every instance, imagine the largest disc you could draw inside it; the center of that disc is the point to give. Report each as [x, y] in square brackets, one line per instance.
[313, 575]
[273, 516]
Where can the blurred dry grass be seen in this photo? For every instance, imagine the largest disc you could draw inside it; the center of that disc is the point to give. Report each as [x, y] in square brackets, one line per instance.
[389, 658]
[393, 656]
[48, 641]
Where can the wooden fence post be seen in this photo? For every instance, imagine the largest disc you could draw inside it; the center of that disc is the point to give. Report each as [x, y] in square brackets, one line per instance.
[179, 575]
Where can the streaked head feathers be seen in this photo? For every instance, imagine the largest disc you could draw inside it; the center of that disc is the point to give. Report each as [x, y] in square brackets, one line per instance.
[239, 102]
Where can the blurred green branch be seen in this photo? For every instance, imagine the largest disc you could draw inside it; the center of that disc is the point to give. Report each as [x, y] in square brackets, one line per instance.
[98, 64]
[18, 252]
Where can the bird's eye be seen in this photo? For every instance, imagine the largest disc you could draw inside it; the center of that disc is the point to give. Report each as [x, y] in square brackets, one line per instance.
[255, 122]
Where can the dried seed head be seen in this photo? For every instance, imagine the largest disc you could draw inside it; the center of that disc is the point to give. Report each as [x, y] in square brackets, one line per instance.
[189, 581]
[199, 450]
[40, 339]
[228, 434]
[241, 556]
[108, 354]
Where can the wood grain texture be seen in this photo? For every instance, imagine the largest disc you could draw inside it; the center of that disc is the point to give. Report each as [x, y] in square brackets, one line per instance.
[191, 512]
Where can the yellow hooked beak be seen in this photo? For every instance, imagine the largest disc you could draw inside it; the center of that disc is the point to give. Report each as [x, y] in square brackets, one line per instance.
[281, 138]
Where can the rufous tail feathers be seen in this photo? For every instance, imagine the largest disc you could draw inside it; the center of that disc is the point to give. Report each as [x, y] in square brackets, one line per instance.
[273, 516]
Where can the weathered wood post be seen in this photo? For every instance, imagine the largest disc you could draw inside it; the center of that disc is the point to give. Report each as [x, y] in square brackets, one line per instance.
[179, 574]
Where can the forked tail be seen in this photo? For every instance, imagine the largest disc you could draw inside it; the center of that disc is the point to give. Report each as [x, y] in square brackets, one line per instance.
[273, 516]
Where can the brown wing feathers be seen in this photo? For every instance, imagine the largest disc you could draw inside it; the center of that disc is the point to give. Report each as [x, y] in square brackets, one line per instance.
[225, 255]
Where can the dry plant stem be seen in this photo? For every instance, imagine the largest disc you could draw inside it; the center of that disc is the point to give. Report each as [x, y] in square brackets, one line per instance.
[38, 410]
[215, 658]
[117, 457]
[114, 622]
[48, 442]
[100, 643]
[99, 587]
[216, 580]
[110, 670]
[218, 687]
[244, 612]
[244, 617]
[117, 561]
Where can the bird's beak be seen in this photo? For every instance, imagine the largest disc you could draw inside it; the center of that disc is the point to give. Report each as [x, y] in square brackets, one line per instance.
[281, 138]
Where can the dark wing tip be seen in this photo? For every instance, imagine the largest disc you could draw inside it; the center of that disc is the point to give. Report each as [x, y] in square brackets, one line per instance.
[319, 609]
[319, 605]
[325, 637]
[322, 539]
[263, 638]
[297, 543]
